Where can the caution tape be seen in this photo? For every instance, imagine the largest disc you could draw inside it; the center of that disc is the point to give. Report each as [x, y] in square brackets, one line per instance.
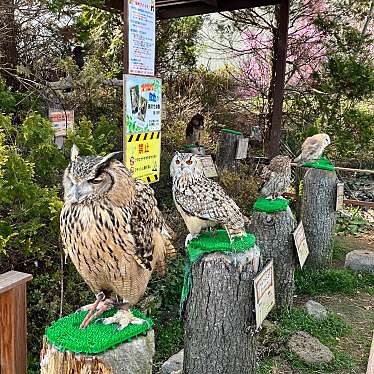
[133, 138]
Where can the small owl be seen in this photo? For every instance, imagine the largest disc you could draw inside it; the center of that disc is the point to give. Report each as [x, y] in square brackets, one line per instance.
[312, 148]
[195, 130]
[276, 177]
[201, 201]
[113, 232]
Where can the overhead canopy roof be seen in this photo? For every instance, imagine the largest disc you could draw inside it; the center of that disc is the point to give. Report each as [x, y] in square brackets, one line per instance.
[181, 8]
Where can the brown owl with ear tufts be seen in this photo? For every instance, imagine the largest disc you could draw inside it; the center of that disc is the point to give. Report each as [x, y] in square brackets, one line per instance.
[113, 232]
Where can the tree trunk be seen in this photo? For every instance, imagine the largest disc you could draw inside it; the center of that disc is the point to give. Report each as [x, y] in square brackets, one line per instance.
[227, 146]
[133, 357]
[274, 235]
[319, 215]
[219, 318]
[8, 45]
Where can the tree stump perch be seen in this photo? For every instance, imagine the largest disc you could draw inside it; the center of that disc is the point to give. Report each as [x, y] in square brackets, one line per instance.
[227, 147]
[133, 357]
[319, 215]
[274, 235]
[219, 315]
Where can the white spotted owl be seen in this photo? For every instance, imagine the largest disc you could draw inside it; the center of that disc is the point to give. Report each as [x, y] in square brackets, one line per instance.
[201, 201]
[312, 148]
[276, 177]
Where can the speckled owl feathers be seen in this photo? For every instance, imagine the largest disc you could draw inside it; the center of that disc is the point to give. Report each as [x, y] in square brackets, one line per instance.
[111, 227]
[200, 200]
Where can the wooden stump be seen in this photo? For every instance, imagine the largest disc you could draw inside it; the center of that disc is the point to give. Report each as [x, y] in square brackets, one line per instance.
[219, 315]
[227, 147]
[319, 215]
[274, 235]
[133, 357]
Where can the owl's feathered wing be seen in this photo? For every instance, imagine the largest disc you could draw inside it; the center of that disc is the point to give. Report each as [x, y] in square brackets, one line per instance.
[207, 200]
[146, 217]
[311, 149]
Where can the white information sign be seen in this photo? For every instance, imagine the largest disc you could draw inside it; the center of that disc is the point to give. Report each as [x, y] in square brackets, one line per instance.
[209, 168]
[242, 150]
[62, 120]
[143, 103]
[264, 293]
[142, 36]
[301, 244]
[339, 196]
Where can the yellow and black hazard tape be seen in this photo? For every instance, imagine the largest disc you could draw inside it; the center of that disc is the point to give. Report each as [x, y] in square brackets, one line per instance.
[143, 136]
[150, 178]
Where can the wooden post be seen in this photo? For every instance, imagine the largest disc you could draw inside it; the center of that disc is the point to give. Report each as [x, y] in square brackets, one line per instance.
[319, 215]
[227, 146]
[134, 357]
[219, 316]
[13, 331]
[274, 235]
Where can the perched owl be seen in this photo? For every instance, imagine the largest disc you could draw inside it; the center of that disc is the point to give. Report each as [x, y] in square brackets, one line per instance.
[113, 232]
[200, 200]
[313, 148]
[276, 177]
[195, 130]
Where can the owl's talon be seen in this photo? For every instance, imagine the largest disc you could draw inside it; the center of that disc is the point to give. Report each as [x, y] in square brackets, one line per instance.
[123, 318]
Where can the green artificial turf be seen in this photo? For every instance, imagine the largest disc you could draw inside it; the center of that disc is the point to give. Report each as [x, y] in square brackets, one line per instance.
[218, 241]
[322, 163]
[65, 333]
[270, 206]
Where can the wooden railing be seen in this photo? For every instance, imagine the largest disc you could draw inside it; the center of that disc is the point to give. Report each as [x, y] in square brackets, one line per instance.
[13, 331]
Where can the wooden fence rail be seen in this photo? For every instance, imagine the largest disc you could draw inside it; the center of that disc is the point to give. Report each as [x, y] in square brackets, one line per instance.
[13, 331]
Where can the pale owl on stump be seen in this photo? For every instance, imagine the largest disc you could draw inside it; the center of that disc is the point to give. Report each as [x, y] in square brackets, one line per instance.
[113, 232]
[201, 201]
[276, 177]
[312, 148]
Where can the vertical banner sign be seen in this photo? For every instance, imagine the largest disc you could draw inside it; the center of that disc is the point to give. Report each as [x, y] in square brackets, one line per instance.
[264, 293]
[339, 196]
[142, 36]
[301, 244]
[143, 101]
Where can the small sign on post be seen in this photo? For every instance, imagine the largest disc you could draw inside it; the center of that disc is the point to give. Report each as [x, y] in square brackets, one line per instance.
[301, 244]
[209, 167]
[264, 293]
[339, 196]
[62, 121]
[242, 150]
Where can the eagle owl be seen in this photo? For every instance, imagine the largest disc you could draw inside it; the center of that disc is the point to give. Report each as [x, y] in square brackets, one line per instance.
[113, 232]
[195, 130]
[313, 148]
[201, 201]
[276, 177]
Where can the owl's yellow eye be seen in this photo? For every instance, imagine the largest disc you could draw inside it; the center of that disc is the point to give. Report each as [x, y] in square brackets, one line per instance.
[189, 162]
[177, 162]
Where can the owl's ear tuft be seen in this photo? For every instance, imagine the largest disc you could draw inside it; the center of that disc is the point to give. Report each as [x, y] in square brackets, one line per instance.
[74, 152]
[110, 157]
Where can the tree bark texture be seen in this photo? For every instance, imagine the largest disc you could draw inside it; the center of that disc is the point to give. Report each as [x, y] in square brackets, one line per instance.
[8, 32]
[219, 316]
[274, 236]
[319, 215]
[226, 155]
[133, 357]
